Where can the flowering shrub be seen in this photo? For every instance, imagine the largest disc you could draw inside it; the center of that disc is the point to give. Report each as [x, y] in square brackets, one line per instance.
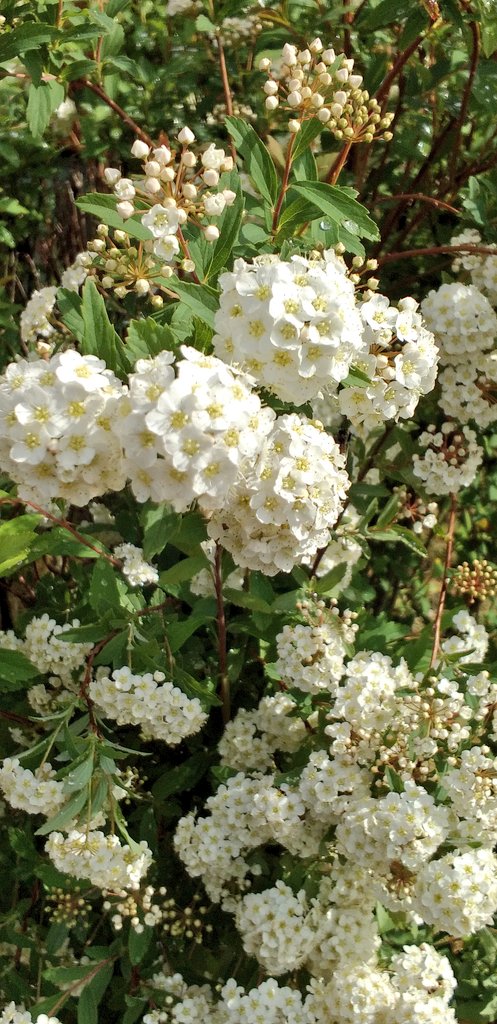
[247, 631]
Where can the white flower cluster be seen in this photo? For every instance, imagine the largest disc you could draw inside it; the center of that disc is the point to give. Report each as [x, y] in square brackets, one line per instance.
[35, 317]
[458, 893]
[159, 707]
[100, 858]
[189, 437]
[316, 82]
[36, 792]
[135, 568]
[311, 654]
[481, 266]
[289, 502]
[234, 30]
[450, 460]
[274, 928]
[401, 362]
[175, 185]
[13, 1014]
[463, 322]
[52, 656]
[251, 738]
[473, 638]
[293, 325]
[469, 391]
[58, 439]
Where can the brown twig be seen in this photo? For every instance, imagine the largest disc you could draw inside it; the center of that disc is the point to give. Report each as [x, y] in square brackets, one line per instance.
[65, 525]
[445, 580]
[284, 183]
[418, 196]
[384, 89]
[434, 250]
[337, 167]
[224, 685]
[228, 100]
[97, 89]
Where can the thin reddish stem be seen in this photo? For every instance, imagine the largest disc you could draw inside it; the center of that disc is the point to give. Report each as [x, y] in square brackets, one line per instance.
[97, 89]
[434, 250]
[284, 183]
[337, 167]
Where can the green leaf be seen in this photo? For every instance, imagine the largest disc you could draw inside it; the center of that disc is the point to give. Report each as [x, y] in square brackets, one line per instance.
[146, 338]
[182, 777]
[104, 207]
[70, 810]
[179, 632]
[100, 338]
[87, 1011]
[26, 37]
[200, 298]
[327, 584]
[193, 688]
[78, 69]
[304, 137]
[487, 12]
[339, 205]
[43, 99]
[138, 944]
[69, 304]
[386, 13]
[160, 523]
[182, 571]
[17, 536]
[402, 534]
[15, 671]
[104, 594]
[257, 161]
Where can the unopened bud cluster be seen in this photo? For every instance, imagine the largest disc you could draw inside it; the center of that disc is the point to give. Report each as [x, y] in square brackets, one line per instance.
[317, 82]
[68, 906]
[176, 186]
[476, 581]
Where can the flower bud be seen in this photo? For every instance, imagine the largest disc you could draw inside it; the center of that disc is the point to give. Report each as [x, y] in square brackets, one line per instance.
[317, 100]
[229, 196]
[152, 168]
[157, 301]
[188, 266]
[264, 64]
[107, 282]
[167, 174]
[186, 136]
[306, 93]
[142, 286]
[189, 190]
[121, 291]
[304, 56]
[111, 176]
[293, 126]
[211, 233]
[324, 115]
[140, 149]
[227, 164]
[270, 88]
[271, 103]
[355, 81]
[289, 54]
[121, 237]
[328, 56]
[102, 231]
[182, 216]
[211, 177]
[316, 46]
[342, 75]
[152, 186]
[188, 158]
[125, 209]
[162, 154]
[294, 99]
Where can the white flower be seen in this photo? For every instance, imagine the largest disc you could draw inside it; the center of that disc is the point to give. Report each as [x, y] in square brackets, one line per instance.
[159, 707]
[99, 858]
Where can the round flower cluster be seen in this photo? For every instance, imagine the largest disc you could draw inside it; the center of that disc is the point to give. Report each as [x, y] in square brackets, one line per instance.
[481, 266]
[161, 709]
[252, 737]
[176, 187]
[57, 418]
[274, 928]
[235, 30]
[476, 582]
[285, 508]
[100, 858]
[190, 437]
[135, 568]
[13, 1014]
[401, 364]
[450, 460]
[52, 656]
[462, 320]
[35, 792]
[35, 318]
[311, 654]
[472, 641]
[469, 391]
[315, 82]
[293, 325]
[458, 893]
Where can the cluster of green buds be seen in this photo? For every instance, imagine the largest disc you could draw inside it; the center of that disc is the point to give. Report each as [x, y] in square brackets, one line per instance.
[67, 908]
[476, 581]
[317, 82]
[123, 265]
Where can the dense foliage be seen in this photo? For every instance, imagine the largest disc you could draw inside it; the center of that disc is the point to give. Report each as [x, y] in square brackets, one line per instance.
[248, 389]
